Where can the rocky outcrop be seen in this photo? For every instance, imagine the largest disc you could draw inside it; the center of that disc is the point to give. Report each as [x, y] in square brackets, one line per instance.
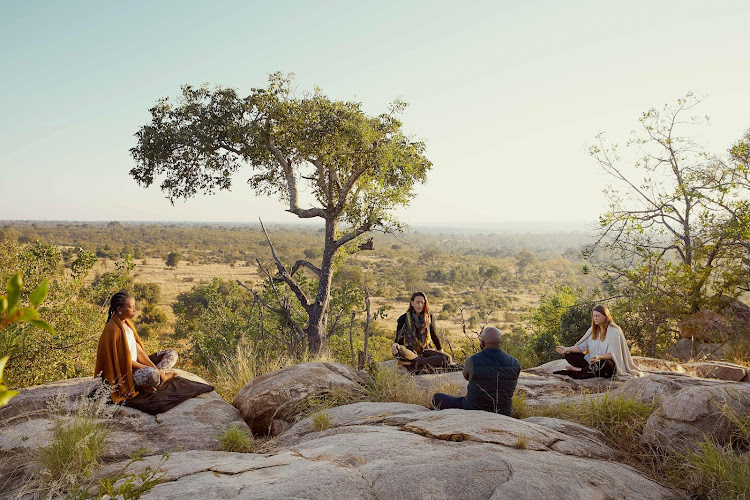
[706, 326]
[371, 453]
[28, 420]
[695, 413]
[269, 402]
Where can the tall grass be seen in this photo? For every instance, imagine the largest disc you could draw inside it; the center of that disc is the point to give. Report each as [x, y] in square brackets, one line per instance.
[233, 373]
[394, 385]
[715, 472]
[321, 420]
[620, 419]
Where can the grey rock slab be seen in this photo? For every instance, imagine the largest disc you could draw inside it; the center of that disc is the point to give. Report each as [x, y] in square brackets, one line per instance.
[364, 413]
[236, 475]
[663, 365]
[578, 437]
[379, 462]
[654, 388]
[485, 427]
[475, 470]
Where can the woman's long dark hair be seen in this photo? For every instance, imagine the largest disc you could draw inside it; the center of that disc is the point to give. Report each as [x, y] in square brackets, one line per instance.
[425, 311]
[116, 301]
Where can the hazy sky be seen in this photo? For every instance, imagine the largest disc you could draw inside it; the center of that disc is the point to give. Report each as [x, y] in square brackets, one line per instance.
[506, 94]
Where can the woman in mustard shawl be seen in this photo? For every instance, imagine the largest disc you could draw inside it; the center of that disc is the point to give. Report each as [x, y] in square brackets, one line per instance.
[120, 357]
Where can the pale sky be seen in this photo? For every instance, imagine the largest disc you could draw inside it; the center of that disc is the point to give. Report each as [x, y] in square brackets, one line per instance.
[506, 95]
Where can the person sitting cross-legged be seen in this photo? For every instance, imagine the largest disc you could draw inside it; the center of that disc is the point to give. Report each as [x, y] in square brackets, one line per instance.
[492, 374]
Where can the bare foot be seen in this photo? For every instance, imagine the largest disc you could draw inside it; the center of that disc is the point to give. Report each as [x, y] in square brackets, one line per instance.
[166, 376]
[573, 368]
[146, 389]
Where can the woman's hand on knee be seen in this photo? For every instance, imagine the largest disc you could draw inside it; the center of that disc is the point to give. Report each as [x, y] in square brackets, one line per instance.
[561, 349]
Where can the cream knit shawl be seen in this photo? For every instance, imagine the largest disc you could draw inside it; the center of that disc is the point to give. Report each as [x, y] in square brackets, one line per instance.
[618, 347]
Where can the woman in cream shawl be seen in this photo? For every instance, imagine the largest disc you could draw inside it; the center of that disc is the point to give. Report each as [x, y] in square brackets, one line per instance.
[601, 352]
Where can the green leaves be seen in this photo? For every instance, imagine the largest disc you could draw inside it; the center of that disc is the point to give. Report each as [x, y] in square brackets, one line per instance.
[39, 293]
[5, 395]
[10, 313]
[14, 290]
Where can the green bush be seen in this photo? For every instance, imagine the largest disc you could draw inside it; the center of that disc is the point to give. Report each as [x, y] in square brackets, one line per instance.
[561, 318]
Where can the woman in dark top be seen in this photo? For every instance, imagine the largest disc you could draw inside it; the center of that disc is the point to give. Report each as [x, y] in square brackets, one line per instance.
[415, 330]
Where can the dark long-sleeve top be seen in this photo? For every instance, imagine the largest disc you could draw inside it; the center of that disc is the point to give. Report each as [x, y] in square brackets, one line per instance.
[433, 334]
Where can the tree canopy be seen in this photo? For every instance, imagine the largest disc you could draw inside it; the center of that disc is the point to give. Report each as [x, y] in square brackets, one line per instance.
[677, 226]
[357, 168]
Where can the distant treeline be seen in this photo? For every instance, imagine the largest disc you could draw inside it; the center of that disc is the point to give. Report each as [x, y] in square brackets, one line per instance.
[230, 243]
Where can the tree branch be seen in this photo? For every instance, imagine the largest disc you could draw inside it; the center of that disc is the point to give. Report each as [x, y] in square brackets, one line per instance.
[306, 264]
[284, 275]
[347, 237]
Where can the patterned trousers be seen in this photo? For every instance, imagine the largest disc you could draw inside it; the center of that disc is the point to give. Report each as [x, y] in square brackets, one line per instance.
[148, 377]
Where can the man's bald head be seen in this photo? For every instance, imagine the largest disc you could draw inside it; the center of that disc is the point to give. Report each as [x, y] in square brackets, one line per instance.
[491, 337]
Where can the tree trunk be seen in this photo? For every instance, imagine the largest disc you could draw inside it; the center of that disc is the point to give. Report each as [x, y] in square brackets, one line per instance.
[318, 316]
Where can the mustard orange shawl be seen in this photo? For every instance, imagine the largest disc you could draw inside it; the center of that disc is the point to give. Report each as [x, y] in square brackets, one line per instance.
[113, 362]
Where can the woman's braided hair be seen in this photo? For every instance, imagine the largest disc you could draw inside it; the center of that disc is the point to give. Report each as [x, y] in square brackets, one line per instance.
[116, 301]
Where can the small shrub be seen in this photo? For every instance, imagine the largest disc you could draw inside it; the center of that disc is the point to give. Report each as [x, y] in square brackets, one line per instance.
[321, 420]
[234, 438]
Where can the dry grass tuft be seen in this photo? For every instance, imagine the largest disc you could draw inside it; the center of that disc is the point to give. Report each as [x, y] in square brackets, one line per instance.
[236, 439]
[321, 420]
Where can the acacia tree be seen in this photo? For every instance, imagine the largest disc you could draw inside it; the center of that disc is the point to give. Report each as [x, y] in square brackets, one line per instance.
[357, 168]
[678, 229]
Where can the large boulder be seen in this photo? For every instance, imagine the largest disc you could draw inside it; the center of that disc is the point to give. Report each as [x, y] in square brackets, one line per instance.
[706, 326]
[271, 401]
[738, 313]
[417, 456]
[658, 387]
[695, 413]
[685, 349]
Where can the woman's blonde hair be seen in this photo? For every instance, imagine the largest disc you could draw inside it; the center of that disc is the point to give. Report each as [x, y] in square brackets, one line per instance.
[596, 330]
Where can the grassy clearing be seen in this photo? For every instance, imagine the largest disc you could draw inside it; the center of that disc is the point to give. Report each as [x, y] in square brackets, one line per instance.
[176, 280]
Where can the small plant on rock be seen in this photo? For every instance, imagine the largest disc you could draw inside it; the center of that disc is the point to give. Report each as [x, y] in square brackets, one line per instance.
[321, 420]
[236, 439]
